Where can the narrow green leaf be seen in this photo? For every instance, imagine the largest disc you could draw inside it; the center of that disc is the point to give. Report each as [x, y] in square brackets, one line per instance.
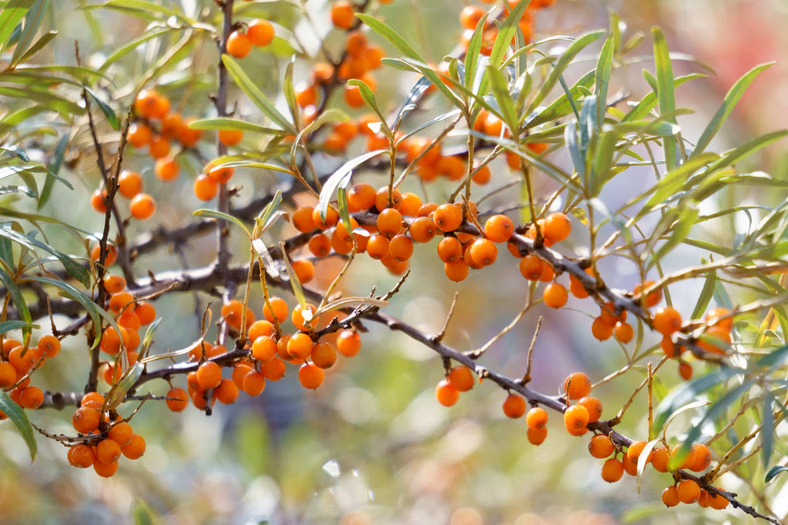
[223, 216]
[131, 46]
[705, 295]
[18, 299]
[8, 326]
[38, 46]
[505, 34]
[472, 54]
[665, 92]
[390, 35]
[643, 460]
[604, 66]
[32, 22]
[255, 95]
[75, 269]
[112, 118]
[563, 104]
[369, 98]
[13, 13]
[773, 472]
[16, 150]
[232, 124]
[19, 418]
[767, 432]
[747, 149]
[674, 180]
[502, 96]
[54, 169]
[680, 232]
[288, 89]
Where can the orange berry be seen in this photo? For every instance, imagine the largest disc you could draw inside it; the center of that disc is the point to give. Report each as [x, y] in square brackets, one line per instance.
[660, 459]
[304, 270]
[703, 501]
[98, 200]
[532, 267]
[209, 375]
[205, 188]
[302, 219]
[612, 470]
[261, 329]
[31, 397]
[624, 332]
[49, 345]
[688, 491]
[114, 284]
[378, 246]
[121, 433]
[129, 321]
[600, 447]
[238, 44]
[577, 385]
[264, 349]
[667, 320]
[279, 307]
[670, 496]
[343, 15]
[8, 375]
[635, 449]
[422, 229]
[715, 313]
[446, 394]
[111, 341]
[230, 137]
[348, 343]
[514, 406]
[145, 312]
[159, 148]
[92, 400]
[536, 418]
[324, 355]
[461, 378]
[166, 169]
[555, 295]
[135, 449]
[254, 382]
[601, 330]
[401, 247]
[484, 252]
[577, 288]
[448, 217]
[139, 135]
[576, 419]
[653, 298]
[702, 457]
[716, 340]
[499, 228]
[482, 175]
[232, 313]
[382, 199]
[470, 16]
[171, 125]
[85, 420]
[298, 318]
[119, 301]
[410, 204]
[449, 250]
[300, 346]
[557, 227]
[456, 271]
[179, 400]
[630, 467]
[389, 221]
[609, 316]
[240, 371]
[594, 407]
[687, 462]
[310, 376]
[129, 184]
[362, 196]
[226, 392]
[81, 456]
[221, 175]
[685, 371]
[332, 217]
[536, 436]
[306, 95]
[717, 502]
[260, 32]
[105, 470]
[452, 167]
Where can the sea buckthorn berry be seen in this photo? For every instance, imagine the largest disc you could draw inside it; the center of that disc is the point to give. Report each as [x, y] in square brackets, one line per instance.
[600, 447]
[114, 284]
[139, 135]
[98, 200]
[92, 400]
[129, 321]
[362, 196]
[612, 470]
[227, 392]
[427, 209]
[624, 332]
[703, 501]
[669, 347]
[264, 349]
[342, 233]
[670, 496]
[422, 229]
[382, 199]
[260, 32]
[221, 175]
[532, 267]
[410, 204]
[378, 246]
[324, 355]
[343, 14]
[238, 44]
[254, 381]
[279, 307]
[159, 149]
[201, 399]
[310, 376]
[609, 316]
[121, 433]
[446, 394]
[702, 457]
[685, 371]
[302, 219]
[304, 270]
[470, 16]
[688, 491]
[129, 184]
[536, 436]
[188, 136]
[306, 95]
[461, 378]
[667, 320]
[576, 419]
[499, 228]
[601, 330]
[239, 373]
[320, 245]
[714, 314]
[81, 456]
[557, 227]
[23, 363]
[456, 271]
[594, 407]
[630, 467]
[715, 340]
[49, 345]
[8, 375]
[85, 420]
[232, 313]
[8, 345]
[146, 313]
[577, 288]
[452, 167]
[484, 252]
[298, 318]
[635, 449]
[332, 217]
[171, 125]
[389, 221]
[142, 207]
[448, 217]
[31, 397]
[348, 343]
[341, 247]
[450, 250]
[111, 341]
[300, 345]
[105, 470]
[178, 400]
[261, 329]
[687, 462]
[205, 188]
[577, 385]
[401, 247]
[717, 502]
[660, 459]
[209, 375]
[482, 175]
[555, 295]
[653, 298]
[514, 406]
[536, 418]
[230, 137]
[119, 301]
[135, 449]
[111, 257]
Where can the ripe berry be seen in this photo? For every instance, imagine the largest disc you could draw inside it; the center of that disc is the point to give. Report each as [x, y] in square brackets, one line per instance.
[389, 222]
[514, 406]
[667, 320]
[108, 450]
[310, 376]
[264, 349]
[594, 407]
[556, 227]
[422, 229]
[703, 501]
[105, 470]
[300, 346]
[324, 355]
[601, 330]
[139, 135]
[577, 385]
[401, 247]
[448, 217]
[536, 418]
[688, 491]
[715, 313]
[114, 284]
[499, 228]
[209, 375]
[670, 496]
[484, 252]
[702, 457]
[142, 207]
[260, 32]
[230, 137]
[717, 502]
[129, 184]
[612, 470]
[461, 378]
[576, 419]
[92, 400]
[85, 420]
[348, 343]
[555, 295]
[332, 217]
[302, 219]
[205, 188]
[81, 456]
[343, 15]
[31, 397]
[609, 316]
[446, 394]
[238, 44]
[630, 467]
[8, 375]
[279, 308]
[378, 246]
[600, 447]
[685, 371]
[532, 267]
[635, 449]
[320, 245]
[449, 249]
[179, 400]
[135, 449]
[624, 332]
[171, 125]
[361, 196]
[536, 436]
[298, 318]
[159, 149]
[456, 271]
[687, 462]
[98, 200]
[660, 459]
[111, 342]
[653, 298]
[226, 392]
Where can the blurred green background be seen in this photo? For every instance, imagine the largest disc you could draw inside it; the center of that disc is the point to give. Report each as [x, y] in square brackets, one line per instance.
[372, 446]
